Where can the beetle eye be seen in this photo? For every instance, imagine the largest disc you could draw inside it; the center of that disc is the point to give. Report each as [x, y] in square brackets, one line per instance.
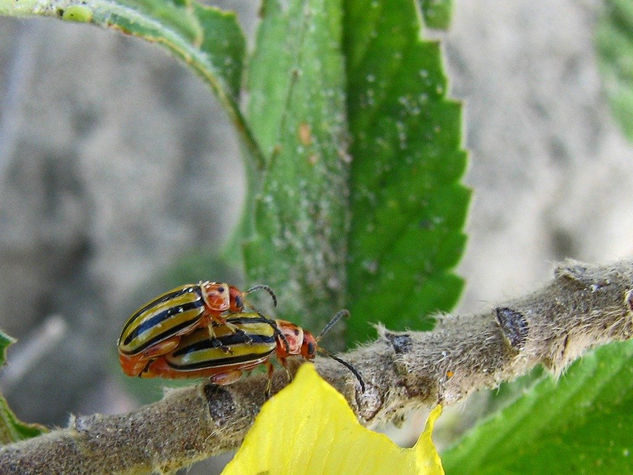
[311, 348]
[238, 302]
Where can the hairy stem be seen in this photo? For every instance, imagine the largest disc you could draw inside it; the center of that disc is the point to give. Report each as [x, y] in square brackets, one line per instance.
[583, 306]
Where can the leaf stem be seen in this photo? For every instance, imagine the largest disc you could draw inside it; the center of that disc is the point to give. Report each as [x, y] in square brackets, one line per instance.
[583, 306]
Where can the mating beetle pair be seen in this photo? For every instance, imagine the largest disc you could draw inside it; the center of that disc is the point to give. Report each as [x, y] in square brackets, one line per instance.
[202, 330]
[156, 328]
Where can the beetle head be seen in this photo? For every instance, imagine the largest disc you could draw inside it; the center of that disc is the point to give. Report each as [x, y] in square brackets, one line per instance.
[308, 346]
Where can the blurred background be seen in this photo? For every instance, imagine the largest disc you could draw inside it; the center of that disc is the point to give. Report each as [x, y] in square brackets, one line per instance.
[117, 181]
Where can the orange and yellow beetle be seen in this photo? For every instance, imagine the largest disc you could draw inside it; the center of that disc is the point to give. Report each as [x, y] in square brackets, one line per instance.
[200, 355]
[157, 327]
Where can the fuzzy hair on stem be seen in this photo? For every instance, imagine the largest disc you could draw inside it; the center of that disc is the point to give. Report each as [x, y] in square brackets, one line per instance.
[582, 307]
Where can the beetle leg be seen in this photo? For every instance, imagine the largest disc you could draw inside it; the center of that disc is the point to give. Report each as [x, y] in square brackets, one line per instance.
[228, 377]
[232, 327]
[211, 331]
[140, 375]
[235, 329]
[162, 348]
[285, 365]
[216, 343]
[156, 367]
[269, 385]
[246, 336]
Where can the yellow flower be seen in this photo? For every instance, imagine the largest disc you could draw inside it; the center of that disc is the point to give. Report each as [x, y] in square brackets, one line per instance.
[308, 428]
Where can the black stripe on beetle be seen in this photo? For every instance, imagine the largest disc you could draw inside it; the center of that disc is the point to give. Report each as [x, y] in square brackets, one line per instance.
[162, 299]
[228, 361]
[159, 318]
[237, 338]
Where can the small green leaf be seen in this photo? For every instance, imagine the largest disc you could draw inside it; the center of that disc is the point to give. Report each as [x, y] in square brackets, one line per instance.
[14, 430]
[437, 13]
[408, 205]
[580, 424]
[297, 110]
[11, 428]
[614, 43]
[5, 342]
[315, 431]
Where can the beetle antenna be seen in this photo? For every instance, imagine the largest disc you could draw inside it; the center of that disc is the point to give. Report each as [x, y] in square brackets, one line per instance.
[270, 292]
[347, 365]
[340, 314]
[276, 329]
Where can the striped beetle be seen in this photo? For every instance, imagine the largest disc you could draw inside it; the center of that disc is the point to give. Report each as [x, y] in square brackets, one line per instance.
[199, 355]
[156, 328]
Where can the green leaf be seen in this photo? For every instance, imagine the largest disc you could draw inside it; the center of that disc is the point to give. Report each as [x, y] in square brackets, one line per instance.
[297, 110]
[614, 43]
[11, 428]
[408, 205]
[14, 430]
[582, 424]
[322, 238]
[5, 342]
[437, 13]
[207, 39]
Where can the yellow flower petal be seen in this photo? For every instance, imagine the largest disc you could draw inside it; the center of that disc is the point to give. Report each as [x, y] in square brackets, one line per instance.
[308, 428]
